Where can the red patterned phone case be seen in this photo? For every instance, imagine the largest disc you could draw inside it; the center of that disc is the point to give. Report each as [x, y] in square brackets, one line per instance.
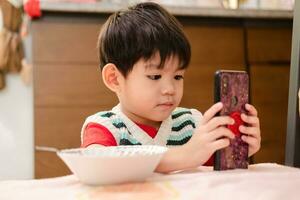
[232, 89]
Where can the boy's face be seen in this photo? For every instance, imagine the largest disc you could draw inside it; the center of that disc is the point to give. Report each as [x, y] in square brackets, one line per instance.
[148, 95]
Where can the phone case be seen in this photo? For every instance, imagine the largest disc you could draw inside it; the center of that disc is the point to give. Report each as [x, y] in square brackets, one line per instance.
[232, 89]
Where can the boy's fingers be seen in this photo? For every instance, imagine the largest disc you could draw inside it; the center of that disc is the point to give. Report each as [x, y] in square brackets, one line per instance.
[252, 110]
[221, 132]
[217, 122]
[253, 120]
[220, 144]
[251, 141]
[211, 112]
[252, 131]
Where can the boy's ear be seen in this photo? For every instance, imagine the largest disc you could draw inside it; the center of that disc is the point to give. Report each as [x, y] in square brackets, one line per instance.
[111, 76]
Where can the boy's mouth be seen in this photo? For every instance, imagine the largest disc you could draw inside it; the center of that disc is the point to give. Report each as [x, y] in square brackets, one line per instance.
[166, 104]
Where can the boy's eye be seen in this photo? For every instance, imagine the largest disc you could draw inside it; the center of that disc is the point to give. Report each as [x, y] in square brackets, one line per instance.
[178, 77]
[154, 77]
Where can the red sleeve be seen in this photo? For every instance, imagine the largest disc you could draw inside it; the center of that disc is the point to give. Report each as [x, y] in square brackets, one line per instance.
[97, 134]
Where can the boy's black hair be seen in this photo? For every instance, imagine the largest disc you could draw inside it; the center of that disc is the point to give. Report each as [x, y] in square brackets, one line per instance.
[139, 32]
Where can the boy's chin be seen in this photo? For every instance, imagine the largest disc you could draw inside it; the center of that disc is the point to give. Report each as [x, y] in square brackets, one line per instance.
[160, 117]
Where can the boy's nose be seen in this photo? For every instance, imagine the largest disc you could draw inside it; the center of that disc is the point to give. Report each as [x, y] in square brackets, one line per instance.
[168, 89]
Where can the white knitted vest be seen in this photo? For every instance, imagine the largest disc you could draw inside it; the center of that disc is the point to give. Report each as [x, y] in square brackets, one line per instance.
[177, 129]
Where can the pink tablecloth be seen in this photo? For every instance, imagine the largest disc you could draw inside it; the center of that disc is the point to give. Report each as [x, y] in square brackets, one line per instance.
[260, 181]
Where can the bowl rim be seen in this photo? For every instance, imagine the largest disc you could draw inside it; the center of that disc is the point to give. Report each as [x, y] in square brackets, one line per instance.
[74, 152]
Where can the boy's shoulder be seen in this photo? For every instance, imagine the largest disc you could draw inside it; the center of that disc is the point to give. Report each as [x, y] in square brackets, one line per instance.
[102, 116]
[109, 119]
[106, 114]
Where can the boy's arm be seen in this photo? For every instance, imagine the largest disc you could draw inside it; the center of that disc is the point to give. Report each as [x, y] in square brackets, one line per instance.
[173, 160]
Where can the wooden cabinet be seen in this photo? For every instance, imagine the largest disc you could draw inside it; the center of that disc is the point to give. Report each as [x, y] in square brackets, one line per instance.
[269, 55]
[269, 45]
[213, 48]
[68, 85]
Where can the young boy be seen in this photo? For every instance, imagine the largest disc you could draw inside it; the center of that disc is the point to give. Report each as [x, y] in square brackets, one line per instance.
[143, 57]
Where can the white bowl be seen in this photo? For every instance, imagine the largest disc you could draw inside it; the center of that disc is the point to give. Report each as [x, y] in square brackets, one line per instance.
[112, 165]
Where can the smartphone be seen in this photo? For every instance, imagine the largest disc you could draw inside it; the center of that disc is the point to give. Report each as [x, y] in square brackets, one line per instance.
[232, 89]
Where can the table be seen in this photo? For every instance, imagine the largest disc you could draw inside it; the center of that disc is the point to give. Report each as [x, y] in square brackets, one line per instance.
[260, 181]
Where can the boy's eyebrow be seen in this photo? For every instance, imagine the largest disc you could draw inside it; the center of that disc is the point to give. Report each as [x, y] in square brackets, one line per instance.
[157, 66]
[152, 65]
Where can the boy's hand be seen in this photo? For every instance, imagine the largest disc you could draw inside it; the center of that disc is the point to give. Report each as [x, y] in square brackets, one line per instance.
[210, 135]
[252, 130]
